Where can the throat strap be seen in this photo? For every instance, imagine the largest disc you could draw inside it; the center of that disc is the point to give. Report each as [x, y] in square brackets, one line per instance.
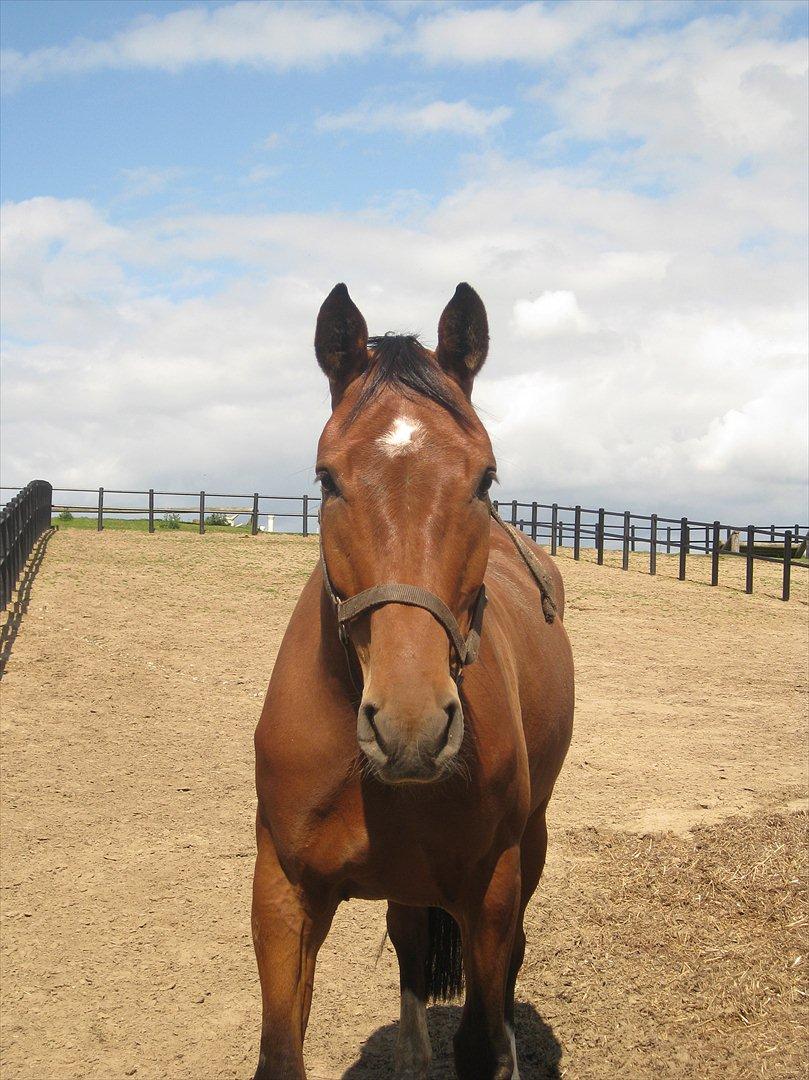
[538, 572]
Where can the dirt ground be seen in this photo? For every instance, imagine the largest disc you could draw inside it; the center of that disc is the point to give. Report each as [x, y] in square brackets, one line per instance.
[668, 935]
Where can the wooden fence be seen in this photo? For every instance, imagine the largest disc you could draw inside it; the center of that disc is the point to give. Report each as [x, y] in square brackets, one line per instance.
[630, 532]
[22, 521]
[293, 508]
[544, 522]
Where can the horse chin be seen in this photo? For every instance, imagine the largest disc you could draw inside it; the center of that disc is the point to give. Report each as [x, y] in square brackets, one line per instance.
[396, 776]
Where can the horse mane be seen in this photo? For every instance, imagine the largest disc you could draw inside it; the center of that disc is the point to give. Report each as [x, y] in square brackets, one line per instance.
[401, 361]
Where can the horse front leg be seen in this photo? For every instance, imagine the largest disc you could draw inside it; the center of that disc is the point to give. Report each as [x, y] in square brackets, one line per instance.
[533, 848]
[408, 928]
[484, 1044]
[289, 927]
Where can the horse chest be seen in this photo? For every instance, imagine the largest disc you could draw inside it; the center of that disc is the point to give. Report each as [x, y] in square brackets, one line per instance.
[372, 842]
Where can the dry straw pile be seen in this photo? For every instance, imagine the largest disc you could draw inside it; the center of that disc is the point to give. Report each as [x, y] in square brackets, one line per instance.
[673, 955]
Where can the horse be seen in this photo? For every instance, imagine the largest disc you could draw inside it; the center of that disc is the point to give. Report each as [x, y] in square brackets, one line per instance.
[420, 707]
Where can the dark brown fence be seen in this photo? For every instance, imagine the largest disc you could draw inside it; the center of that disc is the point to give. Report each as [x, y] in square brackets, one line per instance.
[547, 523]
[628, 532]
[298, 510]
[22, 521]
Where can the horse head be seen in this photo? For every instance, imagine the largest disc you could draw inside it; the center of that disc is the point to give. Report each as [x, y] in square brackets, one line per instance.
[405, 467]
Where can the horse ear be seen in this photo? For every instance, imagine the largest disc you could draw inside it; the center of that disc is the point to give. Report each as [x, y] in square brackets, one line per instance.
[463, 337]
[341, 341]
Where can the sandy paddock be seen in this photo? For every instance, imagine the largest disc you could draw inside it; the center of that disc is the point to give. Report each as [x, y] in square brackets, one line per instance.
[129, 703]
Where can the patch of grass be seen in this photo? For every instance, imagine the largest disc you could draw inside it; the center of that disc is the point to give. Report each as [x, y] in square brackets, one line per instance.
[130, 524]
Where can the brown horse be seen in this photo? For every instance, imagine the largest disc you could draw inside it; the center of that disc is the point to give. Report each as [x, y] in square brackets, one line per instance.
[380, 772]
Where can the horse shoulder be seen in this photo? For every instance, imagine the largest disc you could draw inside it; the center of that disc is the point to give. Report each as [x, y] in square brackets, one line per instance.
[305, 741]
[540, 655]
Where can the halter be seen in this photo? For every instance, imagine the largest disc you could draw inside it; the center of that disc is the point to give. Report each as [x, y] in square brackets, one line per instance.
[464, 648]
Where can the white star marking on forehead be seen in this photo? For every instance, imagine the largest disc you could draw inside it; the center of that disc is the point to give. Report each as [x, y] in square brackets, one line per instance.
[402, 437]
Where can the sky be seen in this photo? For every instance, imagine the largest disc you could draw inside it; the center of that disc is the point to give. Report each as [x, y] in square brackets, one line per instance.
[624, 183]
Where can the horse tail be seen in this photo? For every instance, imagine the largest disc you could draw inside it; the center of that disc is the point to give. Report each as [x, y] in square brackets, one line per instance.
[444, 963]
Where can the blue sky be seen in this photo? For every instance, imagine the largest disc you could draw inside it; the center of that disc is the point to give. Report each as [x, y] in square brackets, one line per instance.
[623, 182]
[81, 134]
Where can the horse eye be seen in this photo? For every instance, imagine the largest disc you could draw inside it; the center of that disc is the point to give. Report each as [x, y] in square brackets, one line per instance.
[327, 484]
[485, 484]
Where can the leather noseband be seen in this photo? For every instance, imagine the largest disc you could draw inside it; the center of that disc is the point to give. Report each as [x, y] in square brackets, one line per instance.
[464, 648]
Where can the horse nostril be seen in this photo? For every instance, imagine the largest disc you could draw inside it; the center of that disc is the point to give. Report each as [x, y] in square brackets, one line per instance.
[451, 710]
[370, 712]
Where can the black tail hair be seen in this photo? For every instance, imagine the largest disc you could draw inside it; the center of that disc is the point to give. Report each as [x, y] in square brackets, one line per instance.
[444, 965]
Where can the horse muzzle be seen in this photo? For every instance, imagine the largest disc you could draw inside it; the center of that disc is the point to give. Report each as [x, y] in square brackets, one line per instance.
[405, 748]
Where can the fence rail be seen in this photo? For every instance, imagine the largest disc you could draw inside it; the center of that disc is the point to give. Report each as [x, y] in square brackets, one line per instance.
[257, 506]
[22, 521]
[631, 532]
[545, 522]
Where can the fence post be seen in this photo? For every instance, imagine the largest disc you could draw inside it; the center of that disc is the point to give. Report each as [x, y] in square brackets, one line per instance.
[715, 555]
[668, 539]
[514, 513]
[305, 515]
[683, 546]
[787, 563]
[151, 510]
[632, 538]
[751, 539]
[554, 523]
[533, 521]
[625, 543]
[600, 536]
[772, 534]
[5, 563]
[653, 544]
[32, 520]
[45, 506]
[201, 512]
[254, 515]
[100, 509]
[576, 532]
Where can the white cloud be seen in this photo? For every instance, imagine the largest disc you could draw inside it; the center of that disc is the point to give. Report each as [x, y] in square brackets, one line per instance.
[742, 440]
[259, 174]
[711, 94]
[551, 313]
[647, 304]
[530, 33]
[251, 33]
[144, 181]
[687, 393]
[458, 117]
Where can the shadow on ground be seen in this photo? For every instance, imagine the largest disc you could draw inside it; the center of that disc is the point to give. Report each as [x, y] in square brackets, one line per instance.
[538, 1049]
[17, 608]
